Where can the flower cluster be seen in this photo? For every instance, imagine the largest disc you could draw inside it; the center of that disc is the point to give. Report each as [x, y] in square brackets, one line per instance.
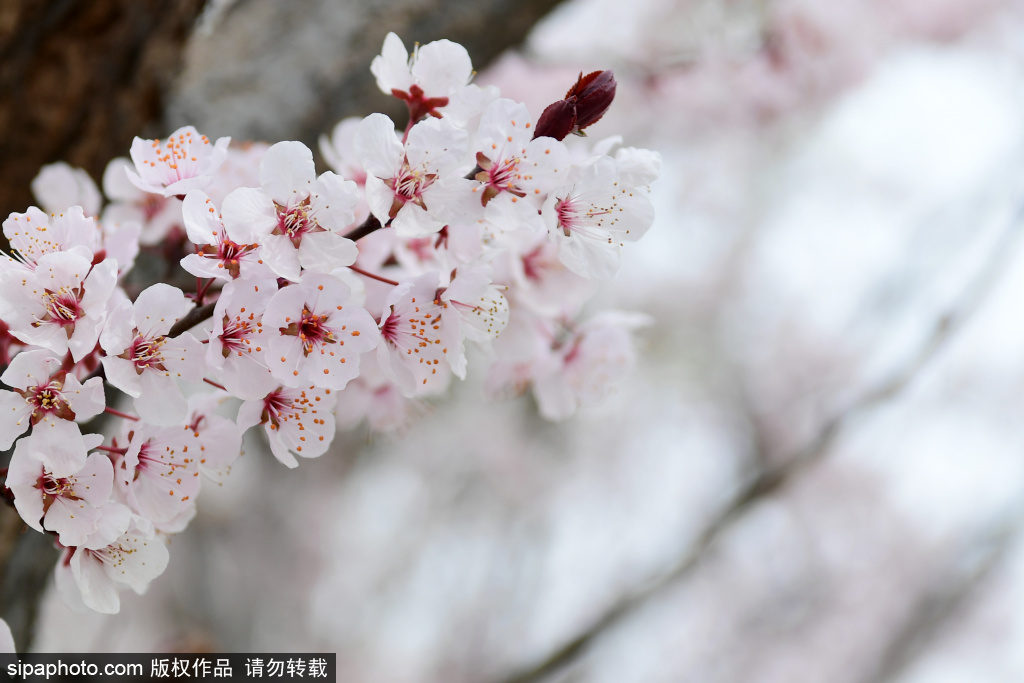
[320, 300]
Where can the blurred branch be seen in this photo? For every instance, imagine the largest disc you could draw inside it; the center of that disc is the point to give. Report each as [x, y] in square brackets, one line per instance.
[770, 479]
[943, 600]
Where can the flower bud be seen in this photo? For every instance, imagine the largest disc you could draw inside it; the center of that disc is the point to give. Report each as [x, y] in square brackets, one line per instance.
[584, 104]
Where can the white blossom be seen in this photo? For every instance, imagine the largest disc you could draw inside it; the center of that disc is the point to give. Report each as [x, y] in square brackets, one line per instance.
[184, 161]
[144, 362]
[297, 217]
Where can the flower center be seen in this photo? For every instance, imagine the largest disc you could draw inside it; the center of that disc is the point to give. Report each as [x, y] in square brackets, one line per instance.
[296, 221]
[409, 186]
[498, 176]
[390, 329]
[52, 486]
[145, 353]
[419, 105]
[567, 215]
[278, 407]
[63, 308]
[504, 175]
[410, 332]
[235, 336]
[582, 217]
[230, 254]
[311, 330]
[47, 399]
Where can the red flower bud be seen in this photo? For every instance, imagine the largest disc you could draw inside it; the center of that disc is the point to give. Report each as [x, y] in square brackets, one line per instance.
[594, 93]
[584, 104]
[557, 121]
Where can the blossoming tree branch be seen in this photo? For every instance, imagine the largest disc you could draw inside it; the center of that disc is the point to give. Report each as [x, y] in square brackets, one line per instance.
[321, 301]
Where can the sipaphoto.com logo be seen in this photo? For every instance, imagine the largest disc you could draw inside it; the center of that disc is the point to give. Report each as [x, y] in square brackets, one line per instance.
[61, 669]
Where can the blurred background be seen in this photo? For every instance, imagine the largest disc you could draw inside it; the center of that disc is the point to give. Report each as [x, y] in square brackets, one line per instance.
[816, 470]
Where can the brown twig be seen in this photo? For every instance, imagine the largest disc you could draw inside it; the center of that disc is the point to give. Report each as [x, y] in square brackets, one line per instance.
[192, 318]
[371, 224]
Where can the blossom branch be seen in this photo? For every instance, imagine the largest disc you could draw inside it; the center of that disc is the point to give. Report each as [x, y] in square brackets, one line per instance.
[268, 256]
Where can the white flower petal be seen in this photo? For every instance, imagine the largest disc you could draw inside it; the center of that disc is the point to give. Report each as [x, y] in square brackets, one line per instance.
[287, 171]
[324, 251]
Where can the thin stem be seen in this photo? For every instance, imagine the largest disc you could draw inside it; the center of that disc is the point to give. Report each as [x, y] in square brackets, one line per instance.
[115, 411]
[215, 384]
[111, 449]
[373, 277]
[202, 287]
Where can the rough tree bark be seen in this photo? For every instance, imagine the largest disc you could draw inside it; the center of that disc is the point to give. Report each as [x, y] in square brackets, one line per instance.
[79, 79]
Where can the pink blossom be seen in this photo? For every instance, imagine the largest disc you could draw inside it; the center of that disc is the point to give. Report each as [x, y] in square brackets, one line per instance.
[418, 186]
[34, 234]
[219, 255]
[474, 308]
[156, 214]
[184, 161]
[591, 217]
[49, 400]
[584, 366]
[212, 441]
[411, 349]
[143, 362]
[297, 421]
[515, 166]
[316, 334]
[67, 505]
[296, 216]
[538, 280]
[158, 477]
[94, 576]
[62, 304]
[433, 81]
[237, 351]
